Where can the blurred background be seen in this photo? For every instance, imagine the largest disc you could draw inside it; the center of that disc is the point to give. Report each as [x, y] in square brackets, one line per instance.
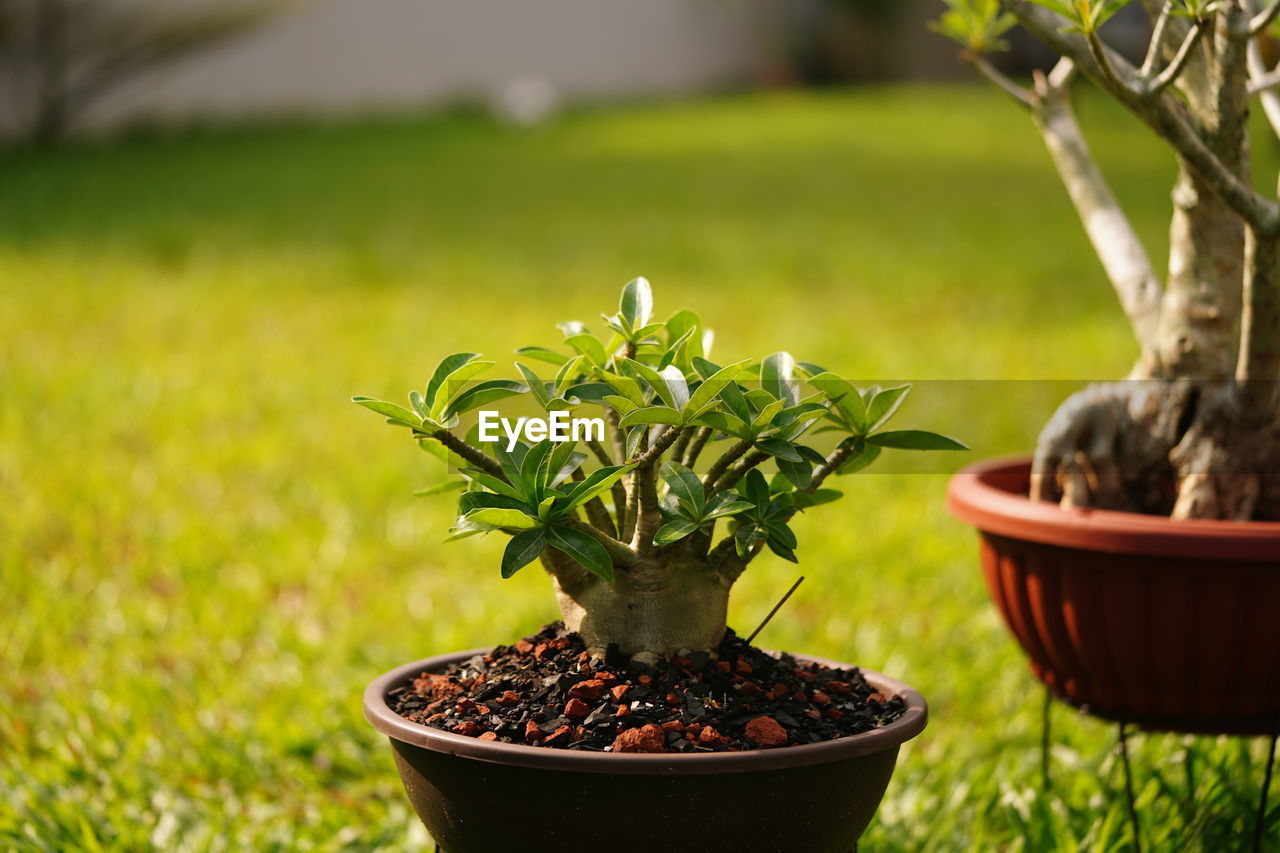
[220, 220]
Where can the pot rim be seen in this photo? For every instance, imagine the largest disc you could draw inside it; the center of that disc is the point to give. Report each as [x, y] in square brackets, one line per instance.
[991, 495]
[387, 721]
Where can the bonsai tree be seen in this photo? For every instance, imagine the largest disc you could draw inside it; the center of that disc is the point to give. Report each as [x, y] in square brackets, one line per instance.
[1201, 438]
[620, 509]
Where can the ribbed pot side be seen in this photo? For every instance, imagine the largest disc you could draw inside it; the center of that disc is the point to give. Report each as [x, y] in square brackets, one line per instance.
[485, 797]
[1171, 624]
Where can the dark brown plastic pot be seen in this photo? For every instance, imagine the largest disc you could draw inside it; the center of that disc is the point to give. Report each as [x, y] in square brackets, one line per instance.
[1170, 624]
[490, 797]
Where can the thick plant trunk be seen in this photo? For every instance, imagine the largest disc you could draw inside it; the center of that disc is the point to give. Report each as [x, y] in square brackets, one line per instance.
[650, 615]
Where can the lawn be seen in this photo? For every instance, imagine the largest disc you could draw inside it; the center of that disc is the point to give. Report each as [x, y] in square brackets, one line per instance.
[206, 551]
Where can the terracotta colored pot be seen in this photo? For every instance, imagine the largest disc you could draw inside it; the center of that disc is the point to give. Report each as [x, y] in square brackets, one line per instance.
[1170, 624]
[490, 797]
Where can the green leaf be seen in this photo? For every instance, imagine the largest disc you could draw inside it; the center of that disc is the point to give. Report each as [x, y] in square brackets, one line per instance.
[621, 405]
[817, 497]
[766, 415]
[468, 501]
[863, 459]
[493, 484]
[500, 518]
[443, 369]
[844, 396]
[595, 483]
[484, 392]
[798, 471]
[536, 385]
[777, 376]
[725, 504]
[673, 531]
[582, 548]
[543, 354]
[523, 549]
[675, 382]
[726, 423]
[636, 306]
[686, 486]
[390, 410]
[419, 404]
[674, 350]
[454, 384]
[589, 347]
[756, 490]
[781, 449]
[654, 380]
[884, 404]
[915, 439]
[651, 415]
[626, 387]
[711, 388]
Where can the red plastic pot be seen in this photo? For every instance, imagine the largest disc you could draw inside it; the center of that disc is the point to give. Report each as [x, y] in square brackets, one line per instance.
[490, 797]
[1173, 625]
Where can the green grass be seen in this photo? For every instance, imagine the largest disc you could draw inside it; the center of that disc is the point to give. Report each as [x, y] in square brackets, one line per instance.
[206, 552]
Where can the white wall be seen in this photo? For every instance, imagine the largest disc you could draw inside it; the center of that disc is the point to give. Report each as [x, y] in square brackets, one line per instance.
[344, 55]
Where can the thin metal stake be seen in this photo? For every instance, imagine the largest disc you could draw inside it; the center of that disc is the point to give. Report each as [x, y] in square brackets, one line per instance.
[775, 609]
[1045, 721]
[1260, 823]
[1128, 788]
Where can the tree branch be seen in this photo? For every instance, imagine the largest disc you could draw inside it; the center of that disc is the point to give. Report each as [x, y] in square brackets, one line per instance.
[1259, 23]
[1020, 95]
[649, 514]
[835, 459]
[1156, 46]
[473, 455]
[619, 553]
[735, 474]
[1259, 367]
[618, 490]
[694, 449]
[1176, 65]
[1159, 111]
[726, 459]
[1114, 240]
[596, 513]
[1270, 100]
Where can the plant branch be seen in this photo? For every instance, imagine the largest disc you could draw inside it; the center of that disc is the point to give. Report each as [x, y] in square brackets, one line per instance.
[735, 474]
[621, 554]
[1156, 45]
[835, 459]
[649, 514]
[1259, 23]
[1259, 366]
[650, 456]
[1270, 100]
[1158, 110]
[596, 513]
[726, 459]
[694, 449]
[1176, 65]
[1019, 94]
[618, 490]
[473, 455]
[1113, 237]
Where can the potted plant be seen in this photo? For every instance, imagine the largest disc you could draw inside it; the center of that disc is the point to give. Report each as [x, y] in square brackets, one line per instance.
[1136, 556]
[642, 722]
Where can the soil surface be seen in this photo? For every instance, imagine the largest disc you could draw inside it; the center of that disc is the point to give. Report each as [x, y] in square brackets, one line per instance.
[546, 690]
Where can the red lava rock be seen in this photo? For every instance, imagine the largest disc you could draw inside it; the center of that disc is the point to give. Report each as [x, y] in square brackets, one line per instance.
[779, 690]
[540, 650]
[800, 696]
[484, 710]
[820, 698]
[532, 734]
[436, 686]
[766, 732]
[743, 668]
[723, 666]
[579, 733]
[805, 674]
[607, 677]
[648, 738]
[710, 737]
[618, 691]
[645, 680]
[751, 688]
[813, 712]
[673, 726]
[576, 709]
[468, 729]
[833, 714]
[560, 735]
[508, 698]
[584, 658]
[693, 730]
[840, 688]
[435, 718]
[466, 704]
[875, 697]
[681, 662]
[673, 699]
[488, 736]
[589, 690]
[623, 710]
[524, 647]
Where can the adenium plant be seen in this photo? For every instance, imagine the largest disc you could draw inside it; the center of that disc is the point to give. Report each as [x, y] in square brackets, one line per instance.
[645, 525]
